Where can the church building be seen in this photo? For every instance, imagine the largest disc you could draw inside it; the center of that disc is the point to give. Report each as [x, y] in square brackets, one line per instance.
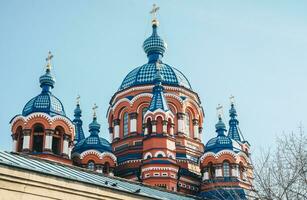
[156, 128]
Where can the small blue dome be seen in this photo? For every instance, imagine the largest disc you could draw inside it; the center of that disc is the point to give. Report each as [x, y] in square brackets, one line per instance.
[218, 143]
[221, 141]
[145, 74]
[154, 44]
[46, 103]
[93, 141]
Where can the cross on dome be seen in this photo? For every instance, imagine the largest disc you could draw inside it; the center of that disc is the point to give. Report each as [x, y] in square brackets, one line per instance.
[48, 59]
[78, 100]
[219, 110]
[94, 110]
[154, 11]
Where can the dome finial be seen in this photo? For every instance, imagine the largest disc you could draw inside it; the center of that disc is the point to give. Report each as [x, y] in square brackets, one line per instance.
[94, 110]
[154, 11]
[219, 111]
[48, 59]
[78, 100]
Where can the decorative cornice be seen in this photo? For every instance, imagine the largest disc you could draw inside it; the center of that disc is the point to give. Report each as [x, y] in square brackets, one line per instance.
[224, 152]
[159, 168]
[98, 154]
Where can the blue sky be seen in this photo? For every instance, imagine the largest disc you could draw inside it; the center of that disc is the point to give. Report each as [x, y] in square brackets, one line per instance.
[254, 50]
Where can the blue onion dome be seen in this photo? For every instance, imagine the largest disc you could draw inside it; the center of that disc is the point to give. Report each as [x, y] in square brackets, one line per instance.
[93, 142]
[221, 141]
[155, 47]
[45, 102]
[154, 44]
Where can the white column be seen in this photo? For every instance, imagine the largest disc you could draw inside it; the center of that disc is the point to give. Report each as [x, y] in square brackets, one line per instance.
[154, 126]
[181, 128]
[133, 122]
[14, 147]
[146, 131]
[164, 126]
[116, 128]
[111, 133]
[26, 140]
[172, 129]
[205, 176]
[235, 171]
[218, 171]
[48, 140]
[65, 145]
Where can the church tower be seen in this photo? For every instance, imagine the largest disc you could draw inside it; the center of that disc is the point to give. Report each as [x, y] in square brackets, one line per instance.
[43, 129]
[226, 164]
[155, 122]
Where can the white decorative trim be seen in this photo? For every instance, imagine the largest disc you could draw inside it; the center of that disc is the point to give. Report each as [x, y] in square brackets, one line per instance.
[220, 153]
[159, 168]
[130, 161]
[170, 88]
[47, 117]
[98, 154]
[160, 152]
[174, 96]
[146, 155]
[171, 155]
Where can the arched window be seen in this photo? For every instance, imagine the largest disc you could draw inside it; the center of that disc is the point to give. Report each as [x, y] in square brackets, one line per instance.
[187, 123]
[241, 169]
[38, 137]
[148, 157]
[19, 139]
[226, 171]
[56, 140]
[211, 170]
[106, 168]
[125, 121]
[159, 124]
[149, 126]
[91, 165]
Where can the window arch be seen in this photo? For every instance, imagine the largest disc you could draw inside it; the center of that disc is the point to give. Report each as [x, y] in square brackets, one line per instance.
[91, 165]
[38, 138]
[125, 124]
[159, 155]
[226, 170]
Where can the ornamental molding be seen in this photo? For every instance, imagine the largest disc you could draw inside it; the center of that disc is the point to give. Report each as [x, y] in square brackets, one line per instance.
[50, 119]
[98, 154]
[170, 88]
[159, 168]
[188, 181]
[130, 161]
[224, 152]
[174, 96]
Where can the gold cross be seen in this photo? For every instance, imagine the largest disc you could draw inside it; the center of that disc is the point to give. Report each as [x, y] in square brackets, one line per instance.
[219, 110]
[94, 110]
[78, 99]
[48, 59]
[154, 11]
[232, 99]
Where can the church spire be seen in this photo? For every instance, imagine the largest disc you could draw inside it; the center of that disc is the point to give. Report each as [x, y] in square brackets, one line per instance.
[47, 80]
[78, 122]
[234, 131]
[158, 100]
